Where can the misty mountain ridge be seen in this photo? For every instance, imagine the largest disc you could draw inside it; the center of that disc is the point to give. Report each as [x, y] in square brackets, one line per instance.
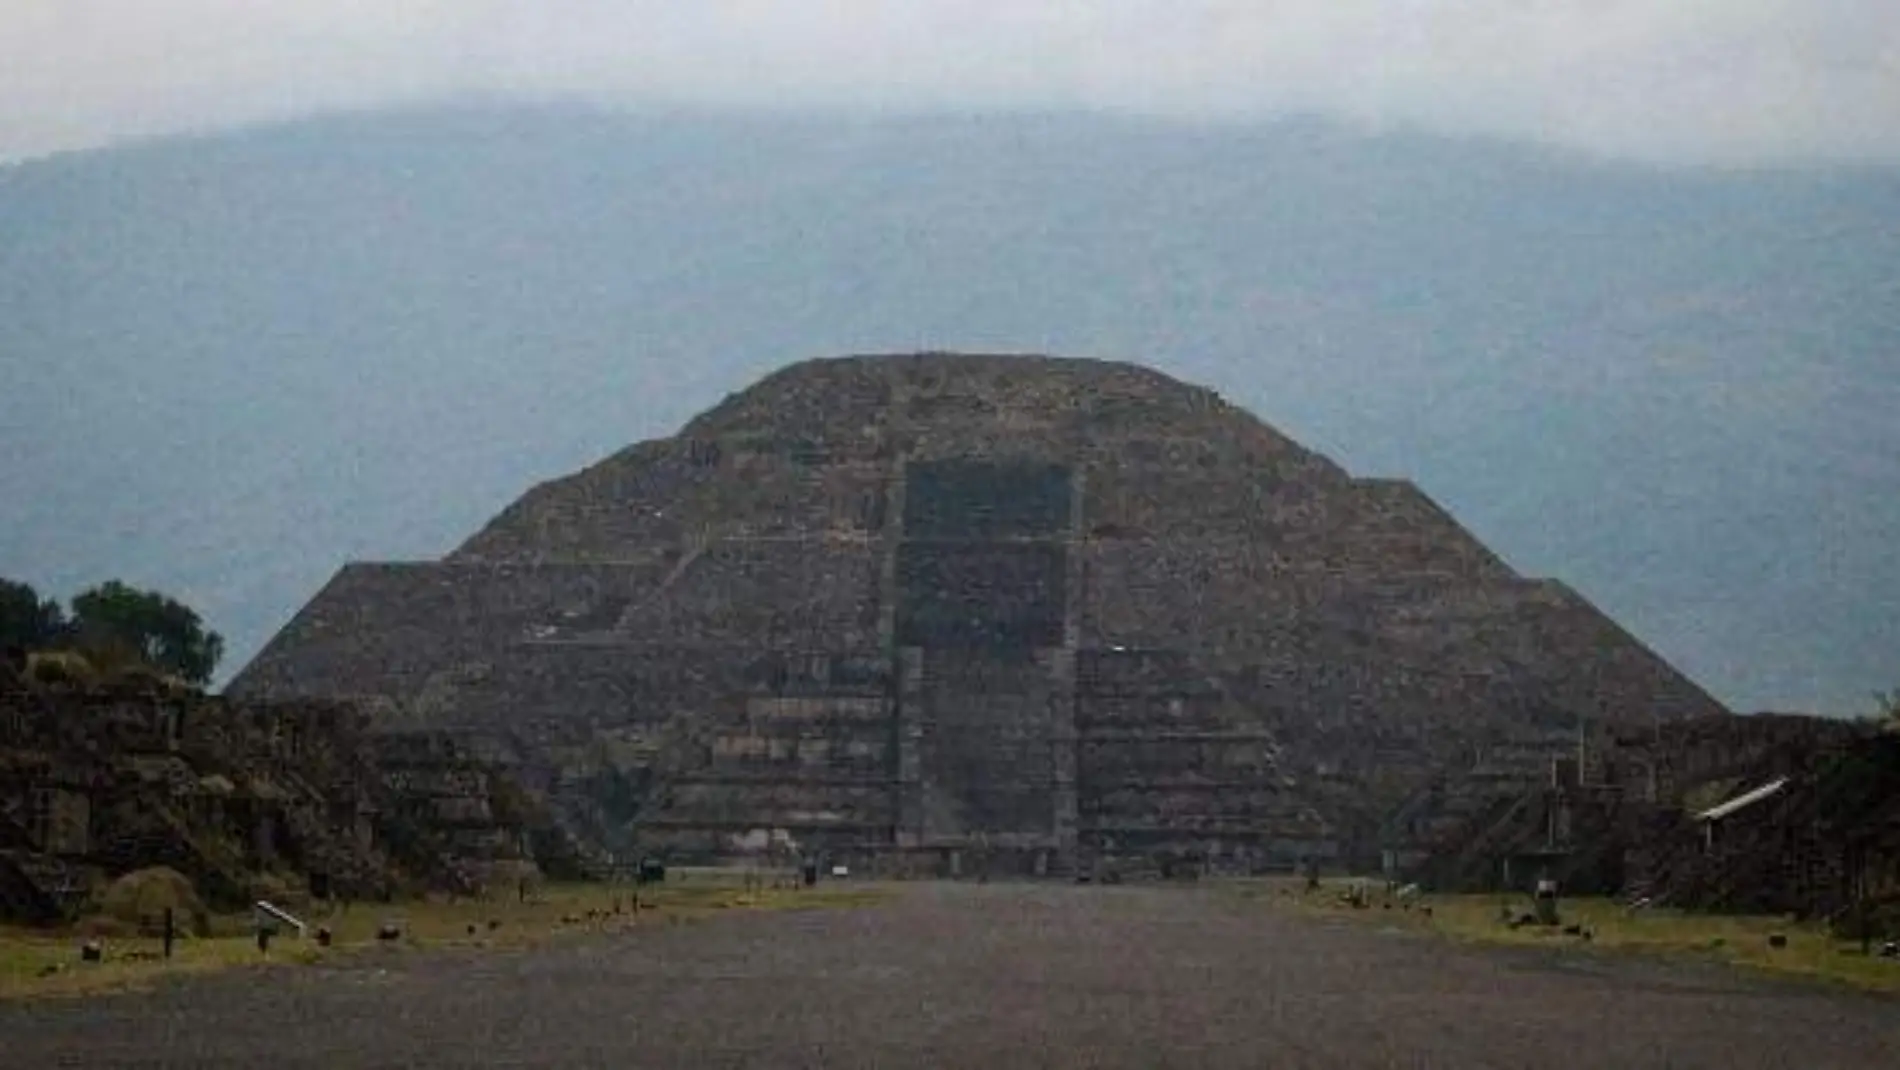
[234, 362]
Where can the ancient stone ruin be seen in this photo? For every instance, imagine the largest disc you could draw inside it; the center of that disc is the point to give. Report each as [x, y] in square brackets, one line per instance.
[246, 800]
[1765, 814]
[945, 612]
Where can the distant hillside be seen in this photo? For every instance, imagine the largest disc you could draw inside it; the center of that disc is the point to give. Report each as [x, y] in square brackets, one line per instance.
[235, 362]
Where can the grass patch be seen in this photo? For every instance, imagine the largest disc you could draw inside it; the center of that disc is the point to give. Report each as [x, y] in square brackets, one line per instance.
[1809, 950]
[43, 963]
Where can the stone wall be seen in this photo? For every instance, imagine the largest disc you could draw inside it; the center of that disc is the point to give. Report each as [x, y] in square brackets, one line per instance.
[240, 795]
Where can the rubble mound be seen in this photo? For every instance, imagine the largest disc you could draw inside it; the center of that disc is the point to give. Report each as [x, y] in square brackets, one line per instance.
[953, 611]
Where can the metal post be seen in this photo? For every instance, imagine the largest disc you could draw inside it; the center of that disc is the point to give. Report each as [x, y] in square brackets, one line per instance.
[1582, 748]
[169, 932]
[1860, 901]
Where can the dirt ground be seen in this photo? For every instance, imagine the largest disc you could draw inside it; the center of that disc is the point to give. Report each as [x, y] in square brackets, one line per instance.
[977, 976]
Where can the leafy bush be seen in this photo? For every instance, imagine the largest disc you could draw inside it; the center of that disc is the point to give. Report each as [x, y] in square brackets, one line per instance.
[115, 625]
[151, 627]
[28, 622]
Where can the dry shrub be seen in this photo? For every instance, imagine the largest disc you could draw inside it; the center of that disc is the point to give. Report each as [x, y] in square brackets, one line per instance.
[140, 898]
[60, 668]
[138, 678]
[509, 877]
[104, 927]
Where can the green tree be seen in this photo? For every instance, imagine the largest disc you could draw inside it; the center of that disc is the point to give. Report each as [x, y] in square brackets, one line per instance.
[114, 620]
[28, 622]
[1887, 709]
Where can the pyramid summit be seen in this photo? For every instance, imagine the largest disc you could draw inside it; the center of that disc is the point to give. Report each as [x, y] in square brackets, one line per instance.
[913, 609]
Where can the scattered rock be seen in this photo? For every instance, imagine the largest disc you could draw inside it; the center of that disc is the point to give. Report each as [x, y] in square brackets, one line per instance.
[92, 951]
[388, 932]
[1777, 940]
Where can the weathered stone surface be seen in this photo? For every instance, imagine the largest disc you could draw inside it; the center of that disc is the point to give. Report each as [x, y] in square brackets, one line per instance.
[244, 798]
[949, 607]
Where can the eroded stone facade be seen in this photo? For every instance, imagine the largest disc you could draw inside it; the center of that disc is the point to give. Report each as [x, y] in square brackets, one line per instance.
[245, 799]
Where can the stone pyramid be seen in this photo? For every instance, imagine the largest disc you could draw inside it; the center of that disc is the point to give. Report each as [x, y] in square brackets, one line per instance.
[941, 610]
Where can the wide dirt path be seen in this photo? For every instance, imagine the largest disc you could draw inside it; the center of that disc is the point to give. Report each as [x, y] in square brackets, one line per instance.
[977, 976]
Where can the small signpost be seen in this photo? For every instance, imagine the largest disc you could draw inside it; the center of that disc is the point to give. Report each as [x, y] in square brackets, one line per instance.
[1546, 899]
[268, 916]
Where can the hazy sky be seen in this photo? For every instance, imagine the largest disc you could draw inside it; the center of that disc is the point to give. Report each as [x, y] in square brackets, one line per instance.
[1694, 80]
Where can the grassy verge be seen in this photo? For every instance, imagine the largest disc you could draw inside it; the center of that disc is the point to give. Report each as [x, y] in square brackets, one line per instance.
[41, 963]
[1808, 950]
